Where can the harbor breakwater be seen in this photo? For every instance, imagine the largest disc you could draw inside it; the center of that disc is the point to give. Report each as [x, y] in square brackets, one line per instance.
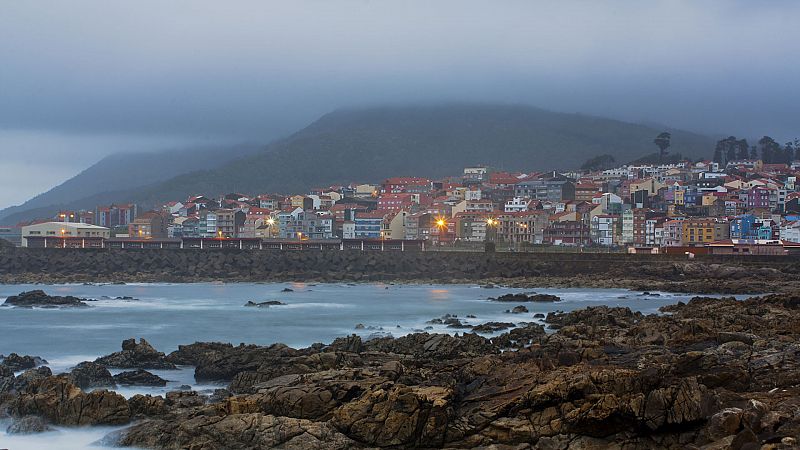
[591, 269]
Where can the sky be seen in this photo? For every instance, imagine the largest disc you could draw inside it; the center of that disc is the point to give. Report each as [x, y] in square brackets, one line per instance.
[82, 79]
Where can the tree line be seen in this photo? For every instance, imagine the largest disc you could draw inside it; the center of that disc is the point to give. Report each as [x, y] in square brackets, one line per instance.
[767, 149]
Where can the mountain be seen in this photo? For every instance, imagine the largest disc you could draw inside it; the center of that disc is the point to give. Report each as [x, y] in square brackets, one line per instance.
[434, 141]
[121, 176]
[371, 144]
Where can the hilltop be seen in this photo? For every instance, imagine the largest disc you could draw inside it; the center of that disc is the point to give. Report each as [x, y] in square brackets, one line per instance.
[370, 144]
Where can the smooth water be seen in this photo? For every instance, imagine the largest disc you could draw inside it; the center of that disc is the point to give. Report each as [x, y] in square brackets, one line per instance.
[171, 314]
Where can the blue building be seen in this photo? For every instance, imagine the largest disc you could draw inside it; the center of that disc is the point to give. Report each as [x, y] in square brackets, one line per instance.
[744, 227]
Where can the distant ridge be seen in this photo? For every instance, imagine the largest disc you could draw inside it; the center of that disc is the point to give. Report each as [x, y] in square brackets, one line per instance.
[370, 144]
[119, 176]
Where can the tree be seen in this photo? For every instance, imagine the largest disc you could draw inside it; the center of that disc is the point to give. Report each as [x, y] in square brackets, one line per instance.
[770, 150]
[718, 153]
[663, 143]
[797, 149]
[742, 149]
[730, 148]
[600, 162]
[788, 153]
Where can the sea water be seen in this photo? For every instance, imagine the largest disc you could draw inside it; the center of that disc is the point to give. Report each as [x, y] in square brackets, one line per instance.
[168, 315]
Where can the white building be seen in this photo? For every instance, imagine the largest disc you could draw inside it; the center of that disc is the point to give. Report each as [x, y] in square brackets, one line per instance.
[790, 231]
[517, 204]
[603, 229]
[63, 230]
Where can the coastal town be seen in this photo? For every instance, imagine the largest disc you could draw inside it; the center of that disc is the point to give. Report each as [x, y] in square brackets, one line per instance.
[740, 207]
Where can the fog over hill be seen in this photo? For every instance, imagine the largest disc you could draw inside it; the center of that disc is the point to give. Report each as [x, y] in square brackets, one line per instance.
[119, 176]
[366, 145]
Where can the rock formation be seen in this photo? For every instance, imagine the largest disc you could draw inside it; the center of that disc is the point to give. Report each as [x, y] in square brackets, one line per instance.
[40, 299]
[711, 374]
[136, 356]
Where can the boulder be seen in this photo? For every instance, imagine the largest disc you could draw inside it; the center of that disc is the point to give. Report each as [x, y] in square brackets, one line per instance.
[234, 432]
[136, 356]
[40, 299]
[17, 362]
[192, 354]
[28, 425]
[519, 309]
[139, 377]
[63, 403]
[492, 327]
[147, 406]
[13, 385]
[266, 304]
[87, 375]
[544, 298]
[397, 416]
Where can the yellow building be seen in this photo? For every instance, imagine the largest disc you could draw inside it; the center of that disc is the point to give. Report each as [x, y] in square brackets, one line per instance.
[701, 231]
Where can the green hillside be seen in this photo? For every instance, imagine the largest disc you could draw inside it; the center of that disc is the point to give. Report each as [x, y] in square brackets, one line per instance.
[433, 141]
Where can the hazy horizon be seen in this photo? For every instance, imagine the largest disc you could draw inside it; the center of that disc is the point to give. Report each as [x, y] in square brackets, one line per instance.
[86, 79]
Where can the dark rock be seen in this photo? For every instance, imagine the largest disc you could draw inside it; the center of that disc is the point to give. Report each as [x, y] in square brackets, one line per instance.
[538, 316]
[136, 356]
[287, 290]
[519, 309]
[39, 298]
[17, 362]
[13, 385]
[87, 375]
[492, 327]
[266, 304]
[545, 298]
[63, 403]
[147, 406]
[28, 425]
[139, 377]
[193, 354]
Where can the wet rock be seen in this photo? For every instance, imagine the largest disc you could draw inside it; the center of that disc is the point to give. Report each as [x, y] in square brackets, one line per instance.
[184, 399]
[63, 403]
[28, 425]
[266, 304]
[724, 423]
[492, 327]
[139, 377]
[234, 431]
[136, 356]
[400, 416]
[147, 406]
[193, 354]
[519, 309]
[13, 385]
[437, 346]
[287, 290]
[17, 362]
[88, 375]
[545, 298]
[40, 299]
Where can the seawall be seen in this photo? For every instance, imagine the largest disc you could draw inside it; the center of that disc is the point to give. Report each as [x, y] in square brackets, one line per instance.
[79, 265]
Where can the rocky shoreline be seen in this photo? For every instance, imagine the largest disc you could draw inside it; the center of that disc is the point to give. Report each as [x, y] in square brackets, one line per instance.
[707, 374]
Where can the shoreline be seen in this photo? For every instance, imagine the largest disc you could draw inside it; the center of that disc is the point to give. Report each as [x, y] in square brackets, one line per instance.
[692, 286]
[602, 378]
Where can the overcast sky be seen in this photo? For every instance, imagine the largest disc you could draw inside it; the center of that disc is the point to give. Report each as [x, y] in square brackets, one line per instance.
[81, 79]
